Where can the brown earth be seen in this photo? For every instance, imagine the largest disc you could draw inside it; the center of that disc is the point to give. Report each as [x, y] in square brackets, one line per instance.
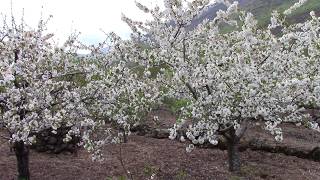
[167, 159]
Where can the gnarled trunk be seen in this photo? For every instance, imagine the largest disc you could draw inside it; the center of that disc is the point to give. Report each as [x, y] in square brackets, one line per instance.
[233, 141]
[22, 154]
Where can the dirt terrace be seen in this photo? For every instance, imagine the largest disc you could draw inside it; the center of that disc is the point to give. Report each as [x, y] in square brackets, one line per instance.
[167, 160]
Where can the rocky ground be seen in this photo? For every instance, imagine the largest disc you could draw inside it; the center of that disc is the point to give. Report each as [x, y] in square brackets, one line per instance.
[146, 156]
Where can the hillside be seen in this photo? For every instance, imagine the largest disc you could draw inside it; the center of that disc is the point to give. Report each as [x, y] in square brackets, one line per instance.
[262, 10]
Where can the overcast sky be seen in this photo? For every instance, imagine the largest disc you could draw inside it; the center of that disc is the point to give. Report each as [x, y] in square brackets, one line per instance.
[86, 16]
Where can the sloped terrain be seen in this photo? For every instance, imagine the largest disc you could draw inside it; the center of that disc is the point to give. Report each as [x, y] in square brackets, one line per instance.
[262, 10]
[165, 159]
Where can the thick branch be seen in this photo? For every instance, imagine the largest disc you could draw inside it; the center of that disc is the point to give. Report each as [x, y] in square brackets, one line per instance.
[3, 105]
[224, 130]
[264, 60]
[208, 89]
[178, 31]
[227, 136]
[5, 137]
[243, 127]
[193, 92]
[2, 38]
[184, 50]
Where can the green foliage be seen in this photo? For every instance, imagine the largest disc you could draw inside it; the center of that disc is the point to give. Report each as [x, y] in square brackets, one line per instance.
[234, 177]
[262, 9]
[175, 104]
[137, 69]
[311, 5]
[122, 178]
[181, 175]
[250, 171]
[117, 178]
[22, 178]
[2, 89]
[150, 170]
[78, 79]
[156, 70]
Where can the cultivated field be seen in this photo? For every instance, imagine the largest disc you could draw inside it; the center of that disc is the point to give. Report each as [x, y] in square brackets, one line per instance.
[165, 159]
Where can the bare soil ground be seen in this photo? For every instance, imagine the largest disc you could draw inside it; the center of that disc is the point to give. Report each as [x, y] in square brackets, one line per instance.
[167, 160]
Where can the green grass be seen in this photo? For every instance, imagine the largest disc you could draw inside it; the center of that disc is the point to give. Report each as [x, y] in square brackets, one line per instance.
[262, 9]
[175, 104]
[311, 5]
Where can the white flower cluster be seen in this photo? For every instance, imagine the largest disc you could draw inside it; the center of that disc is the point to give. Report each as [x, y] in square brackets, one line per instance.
[34, 88]
[44, 86]
[272, 127]
[295, 6]
[231, 79]
[228, 80]
[202, 132]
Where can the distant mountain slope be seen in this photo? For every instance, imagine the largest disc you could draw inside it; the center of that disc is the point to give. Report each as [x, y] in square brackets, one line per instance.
[262, 10]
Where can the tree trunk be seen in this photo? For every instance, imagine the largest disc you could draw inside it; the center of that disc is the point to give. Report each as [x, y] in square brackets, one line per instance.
[22, 154]
[233, 151]
[125, 138]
